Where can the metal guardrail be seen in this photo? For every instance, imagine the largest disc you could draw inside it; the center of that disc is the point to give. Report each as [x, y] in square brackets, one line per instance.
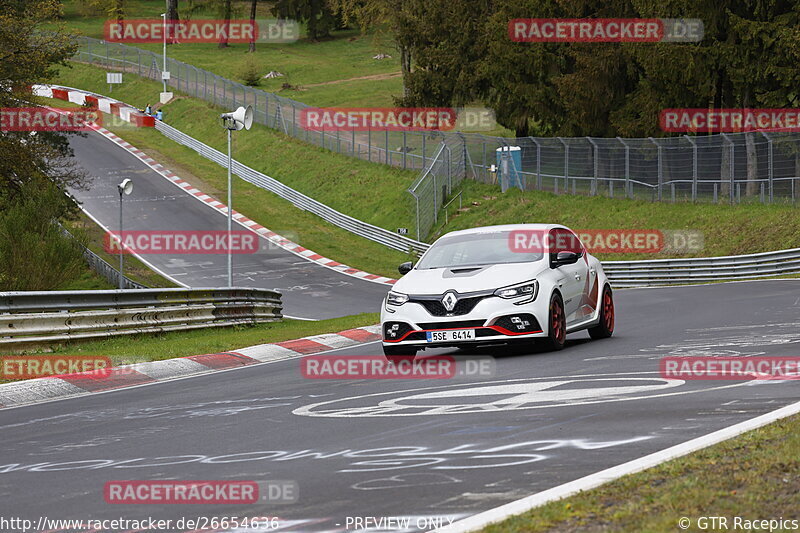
[49, 317]
[695, 270]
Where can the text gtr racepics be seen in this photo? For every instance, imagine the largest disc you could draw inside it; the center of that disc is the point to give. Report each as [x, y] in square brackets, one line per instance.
[498, 284]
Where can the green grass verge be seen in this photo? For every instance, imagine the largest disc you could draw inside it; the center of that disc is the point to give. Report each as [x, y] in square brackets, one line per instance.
[306, 64]
[727, 230]
[88, 280]
[753, 476]
[155, 347]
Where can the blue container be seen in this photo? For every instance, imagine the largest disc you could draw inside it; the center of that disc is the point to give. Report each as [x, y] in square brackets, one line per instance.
[509, 167]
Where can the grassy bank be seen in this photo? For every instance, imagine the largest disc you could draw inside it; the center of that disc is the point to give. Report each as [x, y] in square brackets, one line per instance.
[754, 476]
[336, 71]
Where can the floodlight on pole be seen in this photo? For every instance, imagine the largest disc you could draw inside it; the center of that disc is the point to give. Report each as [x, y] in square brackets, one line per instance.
[125, 187]
[237, 120]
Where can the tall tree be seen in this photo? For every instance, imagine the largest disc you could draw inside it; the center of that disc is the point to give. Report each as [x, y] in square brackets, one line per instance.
[35, 167]
[172, 19]
[253, 7]
[227, 10]
[317, 15]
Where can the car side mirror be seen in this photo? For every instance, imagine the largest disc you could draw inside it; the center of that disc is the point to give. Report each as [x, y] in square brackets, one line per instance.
[564, 258]
[405, 268]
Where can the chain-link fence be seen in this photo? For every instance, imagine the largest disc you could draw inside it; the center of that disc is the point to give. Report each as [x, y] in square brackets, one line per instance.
[744, 167]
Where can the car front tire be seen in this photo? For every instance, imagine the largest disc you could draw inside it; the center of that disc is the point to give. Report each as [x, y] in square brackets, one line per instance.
[605, 328]
[556, 324]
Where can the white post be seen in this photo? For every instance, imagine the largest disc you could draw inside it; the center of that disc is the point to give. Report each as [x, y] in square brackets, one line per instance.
[121, 255]
[230, 214]
[164, 17]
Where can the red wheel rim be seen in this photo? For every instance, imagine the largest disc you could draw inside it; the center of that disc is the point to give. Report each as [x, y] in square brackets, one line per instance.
[557, 319]
[608, 311]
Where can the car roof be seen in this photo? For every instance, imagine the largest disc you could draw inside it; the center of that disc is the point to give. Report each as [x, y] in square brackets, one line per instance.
[505, 227]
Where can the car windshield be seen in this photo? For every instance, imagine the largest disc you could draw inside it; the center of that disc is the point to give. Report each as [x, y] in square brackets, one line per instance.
[474, 249]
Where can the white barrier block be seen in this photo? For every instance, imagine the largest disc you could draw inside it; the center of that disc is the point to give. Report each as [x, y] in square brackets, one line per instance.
[43, 90]
[104, 105]
[125, 113]
[76, 98]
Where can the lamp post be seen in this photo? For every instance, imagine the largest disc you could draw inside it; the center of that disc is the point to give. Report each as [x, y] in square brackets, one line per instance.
[125, 187]
[242, 118]
[164, 28]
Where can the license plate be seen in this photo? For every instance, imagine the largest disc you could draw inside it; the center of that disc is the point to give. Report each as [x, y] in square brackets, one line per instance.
[450, 335]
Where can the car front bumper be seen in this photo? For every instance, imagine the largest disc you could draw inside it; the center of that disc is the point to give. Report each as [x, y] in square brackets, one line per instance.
[495, 320]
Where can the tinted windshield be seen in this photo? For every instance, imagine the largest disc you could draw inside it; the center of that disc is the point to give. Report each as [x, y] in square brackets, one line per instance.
[473, 250]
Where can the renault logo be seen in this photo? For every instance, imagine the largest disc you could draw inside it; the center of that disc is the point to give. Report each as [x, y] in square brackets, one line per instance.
[449, 301]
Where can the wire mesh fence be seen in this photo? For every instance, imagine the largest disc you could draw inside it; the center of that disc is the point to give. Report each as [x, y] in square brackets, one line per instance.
[744, 167]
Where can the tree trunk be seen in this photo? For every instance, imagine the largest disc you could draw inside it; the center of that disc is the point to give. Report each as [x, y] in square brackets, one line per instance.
[172, 18]
[253, 23]
[405, 67]
[223, 41]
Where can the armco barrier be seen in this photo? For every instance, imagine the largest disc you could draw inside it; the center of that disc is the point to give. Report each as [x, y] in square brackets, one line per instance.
[34, 317]
[621, 273]
[701, 270]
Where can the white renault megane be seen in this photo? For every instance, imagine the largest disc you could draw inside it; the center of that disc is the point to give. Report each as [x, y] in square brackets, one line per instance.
[498, 284]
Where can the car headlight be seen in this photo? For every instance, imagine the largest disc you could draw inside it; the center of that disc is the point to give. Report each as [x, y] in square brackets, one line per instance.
[396, 298]
[527, 290]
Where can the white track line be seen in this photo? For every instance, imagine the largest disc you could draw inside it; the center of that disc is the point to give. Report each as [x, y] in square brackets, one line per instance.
[591, 481]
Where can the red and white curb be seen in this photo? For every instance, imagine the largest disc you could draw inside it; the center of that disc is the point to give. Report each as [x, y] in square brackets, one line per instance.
[65, 386]
[71, 94]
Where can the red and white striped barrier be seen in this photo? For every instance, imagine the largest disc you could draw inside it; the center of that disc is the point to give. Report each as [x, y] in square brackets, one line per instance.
[106, 105]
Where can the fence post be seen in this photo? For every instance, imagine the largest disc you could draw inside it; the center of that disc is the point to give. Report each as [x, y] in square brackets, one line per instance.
[424, 136]
[628, 191]
[731, 192]
[595, 164]
[694, 167]
[405, 149]
[386, 145]
[538, 163]
[771, 173]
[566, 167]
[660, 168]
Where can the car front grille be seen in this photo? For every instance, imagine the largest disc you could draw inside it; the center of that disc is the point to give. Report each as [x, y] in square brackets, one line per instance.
[435, 307]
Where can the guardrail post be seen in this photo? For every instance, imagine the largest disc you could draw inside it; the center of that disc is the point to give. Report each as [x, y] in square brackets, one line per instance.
[386, 145]
[369, 144]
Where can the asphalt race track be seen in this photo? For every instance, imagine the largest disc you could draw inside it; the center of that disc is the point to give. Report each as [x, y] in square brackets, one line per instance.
[309, 289]
[441, 449]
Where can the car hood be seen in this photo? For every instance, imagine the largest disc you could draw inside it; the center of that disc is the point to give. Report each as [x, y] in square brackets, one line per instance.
[467, 279]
